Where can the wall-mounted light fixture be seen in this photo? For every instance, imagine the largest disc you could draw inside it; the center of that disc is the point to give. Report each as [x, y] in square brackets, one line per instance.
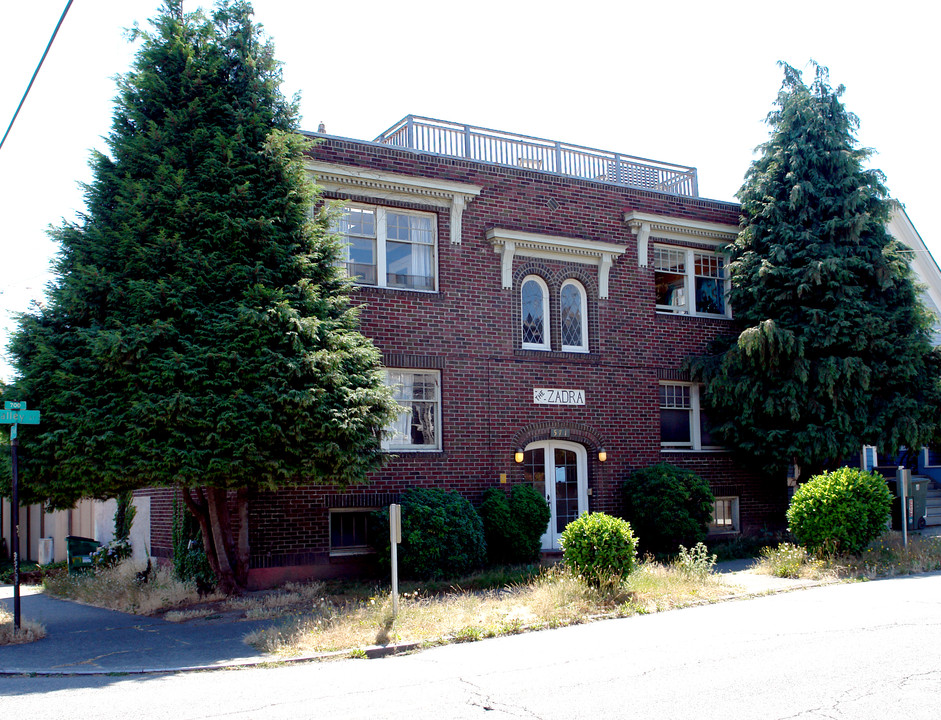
[518, 456]
[602, 454]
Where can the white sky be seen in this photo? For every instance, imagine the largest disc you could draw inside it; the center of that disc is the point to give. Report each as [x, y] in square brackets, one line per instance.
[684, 82]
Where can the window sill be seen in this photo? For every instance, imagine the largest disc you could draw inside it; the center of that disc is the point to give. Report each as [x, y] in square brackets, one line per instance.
[351, 552]
[412, 450]
[387, 289]
[700, 316]
[710, 450]
[572, 356]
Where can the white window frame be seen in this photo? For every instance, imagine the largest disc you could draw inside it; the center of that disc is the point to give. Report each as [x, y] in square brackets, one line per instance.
[382, 268]
[725, 529]
[695, 415]
[689, 256]
[348, 550]
[546, 325]
[926, 455]
[582, 347]
[389, 442]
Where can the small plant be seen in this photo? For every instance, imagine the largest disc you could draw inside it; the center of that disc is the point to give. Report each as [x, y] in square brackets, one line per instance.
[695, 562]
[840, 511]
[599, 548]
[513, 528]
[667, 506]
[788, 561]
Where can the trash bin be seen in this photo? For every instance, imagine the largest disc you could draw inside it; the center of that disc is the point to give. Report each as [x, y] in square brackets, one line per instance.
[916, 498]
[79, 550]
[918, 503]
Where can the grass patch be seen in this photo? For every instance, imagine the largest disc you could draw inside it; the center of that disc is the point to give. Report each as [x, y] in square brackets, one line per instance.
[551, 597]
[29, 631]
[118, 588]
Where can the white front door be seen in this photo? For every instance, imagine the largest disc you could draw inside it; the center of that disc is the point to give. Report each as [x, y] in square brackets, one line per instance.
[559, 470]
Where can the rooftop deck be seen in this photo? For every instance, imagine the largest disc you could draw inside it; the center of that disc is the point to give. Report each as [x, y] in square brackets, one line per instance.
[500, 148]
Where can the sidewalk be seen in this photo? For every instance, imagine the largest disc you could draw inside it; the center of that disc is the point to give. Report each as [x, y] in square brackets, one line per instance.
[84, 640]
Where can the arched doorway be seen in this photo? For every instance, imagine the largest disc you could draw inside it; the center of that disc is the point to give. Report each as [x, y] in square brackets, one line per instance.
[559, 470]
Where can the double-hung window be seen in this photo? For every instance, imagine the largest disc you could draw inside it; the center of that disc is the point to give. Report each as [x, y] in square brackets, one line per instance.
[418, 425]
[387, 247]
[690, 281]
[683, 424]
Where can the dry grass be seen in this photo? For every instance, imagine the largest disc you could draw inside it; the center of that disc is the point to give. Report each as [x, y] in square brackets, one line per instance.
[293, 598]
[177, 616]
[29, 631]
[885, 557]
[119, 589]
[554, 598]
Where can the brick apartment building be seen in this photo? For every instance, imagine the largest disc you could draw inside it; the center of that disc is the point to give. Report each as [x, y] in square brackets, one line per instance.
[533, 302]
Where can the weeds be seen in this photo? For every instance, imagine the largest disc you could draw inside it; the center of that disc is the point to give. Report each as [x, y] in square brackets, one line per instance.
[29, 631]
[695, 562]
[118, 588]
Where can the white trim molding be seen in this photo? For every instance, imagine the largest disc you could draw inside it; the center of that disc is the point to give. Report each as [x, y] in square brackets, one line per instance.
[643, 225]
[400, 188]
[511, 243]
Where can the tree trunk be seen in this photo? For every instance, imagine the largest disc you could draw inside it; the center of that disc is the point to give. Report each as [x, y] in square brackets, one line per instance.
[228, 560]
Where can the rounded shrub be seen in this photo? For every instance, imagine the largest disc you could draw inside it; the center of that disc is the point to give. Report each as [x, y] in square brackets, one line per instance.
[442, 535]
[514, 527]
[599, 547]
[667, 506]
[840, 511]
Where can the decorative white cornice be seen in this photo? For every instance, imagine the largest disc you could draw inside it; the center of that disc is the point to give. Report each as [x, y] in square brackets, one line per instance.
[643, 225]
[590, 252]
[400, 188]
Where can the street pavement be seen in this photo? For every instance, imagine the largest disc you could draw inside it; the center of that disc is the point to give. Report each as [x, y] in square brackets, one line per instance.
[84, 640]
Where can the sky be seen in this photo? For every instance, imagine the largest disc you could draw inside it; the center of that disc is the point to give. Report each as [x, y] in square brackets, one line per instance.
[683, 82]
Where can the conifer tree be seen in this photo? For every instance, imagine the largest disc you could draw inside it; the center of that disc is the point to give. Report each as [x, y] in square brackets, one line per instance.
[833, 349]
[199, 332]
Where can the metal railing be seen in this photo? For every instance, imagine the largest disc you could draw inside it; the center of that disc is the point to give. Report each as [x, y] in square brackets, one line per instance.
[500, 148]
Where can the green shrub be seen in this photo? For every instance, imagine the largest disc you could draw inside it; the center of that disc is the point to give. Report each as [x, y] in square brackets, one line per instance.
[514, 528]
[667, 506]
[442, 535]
[600, 548]
[840, 511]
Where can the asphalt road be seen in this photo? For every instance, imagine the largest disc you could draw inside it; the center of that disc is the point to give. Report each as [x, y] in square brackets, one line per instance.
[860, 651]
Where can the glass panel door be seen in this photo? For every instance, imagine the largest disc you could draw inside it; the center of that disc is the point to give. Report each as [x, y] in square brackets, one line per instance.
[558, 471]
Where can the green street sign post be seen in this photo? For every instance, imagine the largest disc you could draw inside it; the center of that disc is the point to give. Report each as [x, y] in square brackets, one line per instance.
[14, 413]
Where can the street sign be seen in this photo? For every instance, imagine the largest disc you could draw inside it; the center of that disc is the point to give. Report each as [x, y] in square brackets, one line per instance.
[24, 417]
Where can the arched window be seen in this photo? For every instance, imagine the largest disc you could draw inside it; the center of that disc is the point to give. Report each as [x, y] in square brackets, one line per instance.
[573, 317]
[534, 296]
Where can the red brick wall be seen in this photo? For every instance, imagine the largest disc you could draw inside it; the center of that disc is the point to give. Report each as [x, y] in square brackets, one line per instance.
[470, 331]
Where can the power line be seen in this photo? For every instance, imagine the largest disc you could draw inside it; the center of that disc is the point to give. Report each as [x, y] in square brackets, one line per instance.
[36, 72]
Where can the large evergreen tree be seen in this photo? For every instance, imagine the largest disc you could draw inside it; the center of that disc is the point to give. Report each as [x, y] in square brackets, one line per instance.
[199, 332]
[834, 349]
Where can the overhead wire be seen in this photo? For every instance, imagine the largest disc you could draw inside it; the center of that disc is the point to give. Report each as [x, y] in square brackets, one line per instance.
[36, 72]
